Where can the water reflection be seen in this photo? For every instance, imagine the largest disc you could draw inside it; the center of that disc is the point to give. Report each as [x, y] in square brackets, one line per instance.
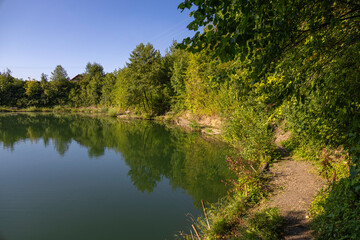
[152, 151]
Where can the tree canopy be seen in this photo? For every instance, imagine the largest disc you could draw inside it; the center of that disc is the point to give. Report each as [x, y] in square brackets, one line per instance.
[59, 74]
[265, 31]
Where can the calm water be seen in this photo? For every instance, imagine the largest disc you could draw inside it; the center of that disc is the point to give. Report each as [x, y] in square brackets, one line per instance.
[76, 177]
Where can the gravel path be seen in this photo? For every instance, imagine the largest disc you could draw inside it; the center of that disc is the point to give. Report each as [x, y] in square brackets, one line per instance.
[296, 184]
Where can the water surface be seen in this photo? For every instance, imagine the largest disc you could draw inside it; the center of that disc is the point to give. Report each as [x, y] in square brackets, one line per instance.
[78, 177]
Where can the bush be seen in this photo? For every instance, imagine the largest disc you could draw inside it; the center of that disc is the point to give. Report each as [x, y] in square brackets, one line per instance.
[337, 211]
[249, 183]
[249, 131]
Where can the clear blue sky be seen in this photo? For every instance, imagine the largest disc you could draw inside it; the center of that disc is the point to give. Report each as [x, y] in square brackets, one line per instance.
[37, 35]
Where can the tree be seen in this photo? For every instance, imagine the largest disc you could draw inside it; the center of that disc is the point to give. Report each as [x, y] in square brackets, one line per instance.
[59, 74]
[57, 91]
[34, 91]
[265, 31]
[44, 78]
[303, 52]
[11, 90]
[107, 89]
[93, 69]
[93, 79]
[143, 73]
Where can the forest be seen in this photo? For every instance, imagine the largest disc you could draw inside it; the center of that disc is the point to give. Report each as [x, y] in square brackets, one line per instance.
[256, 64]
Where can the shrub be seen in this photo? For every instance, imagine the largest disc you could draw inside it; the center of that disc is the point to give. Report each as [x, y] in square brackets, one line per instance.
[249, 131]
[337, 211]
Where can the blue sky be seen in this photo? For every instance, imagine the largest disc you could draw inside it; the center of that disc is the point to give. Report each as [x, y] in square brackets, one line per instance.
[37, 35]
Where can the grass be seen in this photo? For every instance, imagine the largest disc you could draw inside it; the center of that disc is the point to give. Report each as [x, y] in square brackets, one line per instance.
[233, 219]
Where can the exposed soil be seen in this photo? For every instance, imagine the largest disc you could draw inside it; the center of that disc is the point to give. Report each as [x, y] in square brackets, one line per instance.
[208, 124]
[296, 184]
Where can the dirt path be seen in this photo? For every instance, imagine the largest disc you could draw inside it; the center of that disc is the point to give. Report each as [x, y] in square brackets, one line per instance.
[296, 184]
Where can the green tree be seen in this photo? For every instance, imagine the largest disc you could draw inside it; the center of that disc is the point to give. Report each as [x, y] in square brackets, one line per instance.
[11, 90]
[121, 95]
[59, 74]
[107, 90]
[44, 78]
[302, 54]
[58, 89]
[90, 86]
[144, 70]
[34, 92]
[264, 31]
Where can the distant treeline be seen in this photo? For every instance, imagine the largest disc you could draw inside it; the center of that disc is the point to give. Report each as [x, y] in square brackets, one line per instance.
[149, 83]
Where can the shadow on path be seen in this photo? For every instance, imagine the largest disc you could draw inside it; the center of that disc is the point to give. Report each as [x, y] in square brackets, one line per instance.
[296, 226]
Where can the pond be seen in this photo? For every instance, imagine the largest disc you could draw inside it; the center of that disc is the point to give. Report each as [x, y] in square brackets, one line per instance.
[80, 177]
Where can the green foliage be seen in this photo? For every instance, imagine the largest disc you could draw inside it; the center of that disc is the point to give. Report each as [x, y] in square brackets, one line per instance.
[220, 226]
[59, 74]
[300, 55]
[44, 78]
[107, 93]
[198, 87]
[248, 130]
[93, 81]
[232, 219]
[144, 84]
[265, 225]
[337, 211]
[248, 183]
[11, 90]
[265, 31]
[178, 68]
[34, 92]
[302, 58]
[120, 93]
[143, 73]
[227, 219]
[57, 92]
[317, 205]
[332, 163]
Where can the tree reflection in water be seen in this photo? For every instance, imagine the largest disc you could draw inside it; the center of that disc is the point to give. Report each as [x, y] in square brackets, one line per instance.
[152, 151]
